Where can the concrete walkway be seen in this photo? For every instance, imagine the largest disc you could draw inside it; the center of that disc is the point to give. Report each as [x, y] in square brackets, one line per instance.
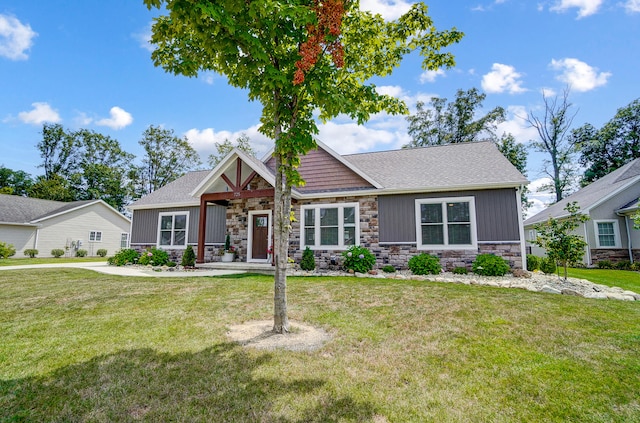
[103, 267]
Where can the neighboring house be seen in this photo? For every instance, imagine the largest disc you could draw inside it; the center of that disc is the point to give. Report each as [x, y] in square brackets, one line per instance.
[455, 201]
[609, 202]
[28, 223]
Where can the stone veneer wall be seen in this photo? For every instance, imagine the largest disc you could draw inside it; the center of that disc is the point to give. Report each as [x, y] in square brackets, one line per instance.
[211, 252]
[613, 255]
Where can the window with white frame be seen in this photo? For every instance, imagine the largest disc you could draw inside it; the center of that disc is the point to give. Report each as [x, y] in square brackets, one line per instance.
[172, 229]
[330, 226]
[446, 223]
[124, 240]
[607, 234]
[95, 236]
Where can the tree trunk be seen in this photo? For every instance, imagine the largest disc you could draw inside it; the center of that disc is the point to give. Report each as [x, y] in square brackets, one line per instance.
[282, 225]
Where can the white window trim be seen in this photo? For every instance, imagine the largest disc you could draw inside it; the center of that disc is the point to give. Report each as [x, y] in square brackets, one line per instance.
[95, 236]
[127, 241]
[446, 245]
[616, 233]
[186, 235]
[340, 207]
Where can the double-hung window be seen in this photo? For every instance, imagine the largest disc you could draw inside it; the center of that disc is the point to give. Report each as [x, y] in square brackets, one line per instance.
[607, 234]
[172, 229]
[446, 223]
[95, 236]
[124, 240]
[330, 226]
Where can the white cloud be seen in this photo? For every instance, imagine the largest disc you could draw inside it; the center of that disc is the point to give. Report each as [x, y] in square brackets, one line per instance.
[383, 132]
[540, 199]
[144, 38]
[40, 114]
[502, 78]
[204, 140]
[517, 125]
[431, 75]
[579, 75]
[118, 120]
[15, 38]
[389, 9]
[585, 7]
[632, 6]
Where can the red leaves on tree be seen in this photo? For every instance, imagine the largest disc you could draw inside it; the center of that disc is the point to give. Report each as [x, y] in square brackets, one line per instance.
[329, 14]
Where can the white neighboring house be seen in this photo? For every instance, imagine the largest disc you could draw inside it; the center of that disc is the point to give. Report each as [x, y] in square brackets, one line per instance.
[46, 225]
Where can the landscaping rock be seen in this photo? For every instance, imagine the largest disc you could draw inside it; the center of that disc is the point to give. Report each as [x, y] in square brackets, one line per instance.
[569, 291]
[550, 290]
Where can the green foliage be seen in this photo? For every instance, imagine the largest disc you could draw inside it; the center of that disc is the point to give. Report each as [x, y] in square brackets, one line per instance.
[31, 252]
[460, 270]
[533, 262]
[556, 237]
[605, 264]
[308, 262]
[242, 143]
[490, 265]
[125, 256]
[388, 269]
[424, 264]
[227, 243]
[548, 265]
[189, 257]
[81, 253]
[15, 182]
[102, 252]
[153, 257]
[623, 265]
[359, 259]
[57, 252]
[6, 250]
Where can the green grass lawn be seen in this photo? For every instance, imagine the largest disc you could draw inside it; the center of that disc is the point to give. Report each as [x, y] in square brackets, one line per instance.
[13, 261]
[81, 346]
[622, 278]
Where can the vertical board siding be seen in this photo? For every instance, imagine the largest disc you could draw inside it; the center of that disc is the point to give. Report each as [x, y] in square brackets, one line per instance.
[145, 227]
[496, 215]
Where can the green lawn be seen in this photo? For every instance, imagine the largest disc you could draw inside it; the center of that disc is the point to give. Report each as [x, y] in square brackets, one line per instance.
[81, 346]
[622, 278]
[13, 261]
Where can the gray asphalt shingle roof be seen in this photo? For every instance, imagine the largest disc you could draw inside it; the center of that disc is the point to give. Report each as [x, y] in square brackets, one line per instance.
[176, 192]
[16, 209]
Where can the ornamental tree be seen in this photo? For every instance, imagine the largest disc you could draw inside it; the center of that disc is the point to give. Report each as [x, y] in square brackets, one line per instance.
[300, 59]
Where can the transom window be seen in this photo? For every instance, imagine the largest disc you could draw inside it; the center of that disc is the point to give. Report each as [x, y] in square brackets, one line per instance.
[172, 229]
[446, 223]
[607, 234]
[330, 226]
[95, 236]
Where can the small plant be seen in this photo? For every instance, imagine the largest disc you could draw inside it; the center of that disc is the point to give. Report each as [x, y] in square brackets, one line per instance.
[81, 253]
[122, 257]
[57, 252]
[6, 250]
[460, 270]
[358, 259]
[308, 262]
[31, 252]
[188, 258]
[533, 262]
[605, 264]
[424, 264]
[154, 257]
[548, 265]
[227, 245]
[171, 264]
[490, 265]
[101, 252]
[623, 265]
[388, 269]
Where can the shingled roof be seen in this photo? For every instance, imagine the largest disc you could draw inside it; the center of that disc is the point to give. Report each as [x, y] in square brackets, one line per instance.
[23, 210]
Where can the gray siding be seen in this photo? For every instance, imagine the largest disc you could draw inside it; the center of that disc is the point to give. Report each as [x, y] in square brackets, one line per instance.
[144, 229]
[496, 215]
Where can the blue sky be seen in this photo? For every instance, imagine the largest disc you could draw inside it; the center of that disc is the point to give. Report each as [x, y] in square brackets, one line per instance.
[86, 64]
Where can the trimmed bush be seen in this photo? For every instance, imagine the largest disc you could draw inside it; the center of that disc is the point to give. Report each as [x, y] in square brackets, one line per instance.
[388, 269]
[605, 264]
[358, 259]
[533, 262]
[101, 252]
[424, 264]
[460, 271]
[171, 264]
[81, 253]
[31, 252]
[154, 257]
[122, 257]
[547, 265]
[57, 252]
[623, 265]
[308, 262]
[6, 250]
[188, 258]
[490, 265]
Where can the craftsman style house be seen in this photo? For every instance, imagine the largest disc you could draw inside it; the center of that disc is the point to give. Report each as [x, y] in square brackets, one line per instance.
[454, 201]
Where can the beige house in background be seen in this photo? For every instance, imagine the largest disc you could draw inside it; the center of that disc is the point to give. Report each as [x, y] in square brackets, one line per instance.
[46, 225]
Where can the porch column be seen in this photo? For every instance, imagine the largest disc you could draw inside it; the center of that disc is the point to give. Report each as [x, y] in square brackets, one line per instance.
[202, 229]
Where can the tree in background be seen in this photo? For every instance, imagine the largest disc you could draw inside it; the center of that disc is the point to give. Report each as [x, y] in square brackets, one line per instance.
[615, 144]
[552, 128]
[15, 182]
[295, 58]
[166, 158]
[517, 155]
[224, 148]
[58, 151]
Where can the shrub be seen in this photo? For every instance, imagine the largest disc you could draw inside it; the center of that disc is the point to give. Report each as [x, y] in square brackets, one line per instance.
[57, 252]
[424, 264]
[460, 271]
[605, 264]
[388, 269]
[533, 262]
[623, 265]
[31, 252]
[154, 257]
[358, 259]
[122, 257]
[308, 262]
[81, 253]
[547, 265]
[171, 264]
[490, 265]
[6, 250]
[101, 252]
[188, 258]
[635, 266]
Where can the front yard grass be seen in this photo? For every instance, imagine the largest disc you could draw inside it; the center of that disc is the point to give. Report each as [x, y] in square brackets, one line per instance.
[17, 261]
[624, 279]
[82, 346]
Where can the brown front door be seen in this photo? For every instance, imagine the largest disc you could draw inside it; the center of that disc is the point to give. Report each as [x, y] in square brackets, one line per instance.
[260, 236]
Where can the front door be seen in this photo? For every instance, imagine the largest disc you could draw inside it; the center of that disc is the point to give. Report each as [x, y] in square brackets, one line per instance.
[260, 235]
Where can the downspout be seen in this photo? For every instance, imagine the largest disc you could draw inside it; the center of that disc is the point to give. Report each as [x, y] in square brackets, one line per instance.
[35, 240]
[523, 244]
[626, 224]
[586, 238]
